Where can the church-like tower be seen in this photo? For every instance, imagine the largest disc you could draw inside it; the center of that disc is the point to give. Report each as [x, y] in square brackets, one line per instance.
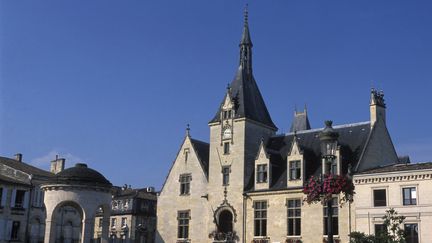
[236, 131]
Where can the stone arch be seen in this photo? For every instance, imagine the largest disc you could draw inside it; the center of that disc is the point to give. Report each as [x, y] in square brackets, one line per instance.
[67, 219]
[225, 221]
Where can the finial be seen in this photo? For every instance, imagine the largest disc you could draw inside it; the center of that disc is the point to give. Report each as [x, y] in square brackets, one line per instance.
[305, 108]
[188, 130]
[328, 123]
[246, 14]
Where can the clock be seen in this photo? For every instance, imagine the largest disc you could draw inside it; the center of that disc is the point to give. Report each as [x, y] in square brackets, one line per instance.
[227, 133]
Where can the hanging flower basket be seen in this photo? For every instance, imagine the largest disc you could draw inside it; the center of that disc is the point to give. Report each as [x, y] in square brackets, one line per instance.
[322, 190]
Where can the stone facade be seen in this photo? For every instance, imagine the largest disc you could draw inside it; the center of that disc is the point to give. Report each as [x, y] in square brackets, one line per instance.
[245, 185]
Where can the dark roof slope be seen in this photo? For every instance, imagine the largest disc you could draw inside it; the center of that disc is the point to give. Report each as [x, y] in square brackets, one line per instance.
[202, 149]
[399, 167]
[24, 167]
[352, 139]
[300, 122]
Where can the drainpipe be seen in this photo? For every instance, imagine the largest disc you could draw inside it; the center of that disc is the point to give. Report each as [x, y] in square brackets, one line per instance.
[244, 217]
[26, 236]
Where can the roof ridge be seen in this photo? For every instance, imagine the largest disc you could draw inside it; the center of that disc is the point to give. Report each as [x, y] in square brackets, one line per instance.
[334, 127]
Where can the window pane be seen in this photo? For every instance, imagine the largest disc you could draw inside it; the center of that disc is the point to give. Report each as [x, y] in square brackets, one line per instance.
[380, 197]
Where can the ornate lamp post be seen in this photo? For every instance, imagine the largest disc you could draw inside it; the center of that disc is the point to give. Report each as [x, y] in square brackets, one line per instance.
[328, 138]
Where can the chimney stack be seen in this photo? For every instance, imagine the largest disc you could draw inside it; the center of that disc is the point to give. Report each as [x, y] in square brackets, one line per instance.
[377, 107]
[57, 165]
[18, 157]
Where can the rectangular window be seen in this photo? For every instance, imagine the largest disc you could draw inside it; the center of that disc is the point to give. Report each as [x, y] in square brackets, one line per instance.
[335, 217]
[260, 218]
[380, 229]
[15, 230]
[183, 218]
[411, 233]
[294, 217]
[113, 222]
[123, 222]
[380, 198]
[226, 147]
[19, 199]
[261, 173]
[409, 196]
[225, 175]
[100, 222]
[185, 184]
[295, 170]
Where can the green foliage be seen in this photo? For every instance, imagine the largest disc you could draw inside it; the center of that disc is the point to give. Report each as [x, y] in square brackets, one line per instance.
[394, 234]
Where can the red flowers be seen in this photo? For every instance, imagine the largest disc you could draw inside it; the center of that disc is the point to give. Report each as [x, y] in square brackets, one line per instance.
[317, 190]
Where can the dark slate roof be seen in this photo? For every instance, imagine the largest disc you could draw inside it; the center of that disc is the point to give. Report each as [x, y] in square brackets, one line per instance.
[352, 139]
[399, 167]
[300, 122]
[24, 167]
[81, 174]
[202, 149]
[243, 90]
[121, 192]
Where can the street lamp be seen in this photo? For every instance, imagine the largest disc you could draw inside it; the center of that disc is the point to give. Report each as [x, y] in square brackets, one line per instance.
[328, 138]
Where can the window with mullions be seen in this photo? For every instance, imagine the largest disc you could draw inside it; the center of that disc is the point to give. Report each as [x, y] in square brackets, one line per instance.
[183, 218]
[335, 217]
[261, 173]
[294, 217]
[185, 184]
[411, 233]
[295, 170]
[409, 196]
[380, 229]
[225, 175]
[227, 114]
[260, 218]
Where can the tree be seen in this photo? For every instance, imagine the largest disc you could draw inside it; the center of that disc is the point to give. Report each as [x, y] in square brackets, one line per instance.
[394, 233]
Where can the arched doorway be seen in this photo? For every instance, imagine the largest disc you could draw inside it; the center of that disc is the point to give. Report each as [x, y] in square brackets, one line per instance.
[67, 218]
[226, 221]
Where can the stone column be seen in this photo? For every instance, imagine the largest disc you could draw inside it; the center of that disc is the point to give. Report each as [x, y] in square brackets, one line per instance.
[50, 229]
[88, 230]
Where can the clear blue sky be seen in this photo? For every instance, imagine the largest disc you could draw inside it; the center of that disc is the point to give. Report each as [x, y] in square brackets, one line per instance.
[114, 83]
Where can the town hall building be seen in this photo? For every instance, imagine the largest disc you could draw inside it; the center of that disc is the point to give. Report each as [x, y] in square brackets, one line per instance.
[245, 184]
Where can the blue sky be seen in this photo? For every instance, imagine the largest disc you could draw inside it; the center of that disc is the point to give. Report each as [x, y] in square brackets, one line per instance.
[114, 83]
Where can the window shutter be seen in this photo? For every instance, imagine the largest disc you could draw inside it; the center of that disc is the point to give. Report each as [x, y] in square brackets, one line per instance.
[8, 230]
[2, 229]
[13, 198]
[4, 196]
[26, 199]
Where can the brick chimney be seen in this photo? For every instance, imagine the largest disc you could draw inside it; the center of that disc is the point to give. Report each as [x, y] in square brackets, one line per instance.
[18, 157]
[57, 165]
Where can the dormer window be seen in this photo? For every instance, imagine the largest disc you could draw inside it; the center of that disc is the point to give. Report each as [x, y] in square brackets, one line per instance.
[295, 170]
[261, 173]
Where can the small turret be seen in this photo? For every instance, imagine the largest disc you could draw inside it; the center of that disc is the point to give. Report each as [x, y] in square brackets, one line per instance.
[377, 106]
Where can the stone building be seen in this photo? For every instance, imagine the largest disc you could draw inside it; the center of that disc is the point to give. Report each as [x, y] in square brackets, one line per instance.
[22, 213]
[133, 216]
[404, 187]
[245, 184]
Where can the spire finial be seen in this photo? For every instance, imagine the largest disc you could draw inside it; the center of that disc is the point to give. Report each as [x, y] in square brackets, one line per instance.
[187, 130]
[246, 14]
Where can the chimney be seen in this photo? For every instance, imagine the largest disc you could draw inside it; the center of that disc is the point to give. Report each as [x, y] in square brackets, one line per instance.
[377, 107]
[57, 165]
[18, 157]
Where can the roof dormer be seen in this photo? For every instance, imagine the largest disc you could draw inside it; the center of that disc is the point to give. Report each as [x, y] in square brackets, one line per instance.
[295, 165]
[262, 168]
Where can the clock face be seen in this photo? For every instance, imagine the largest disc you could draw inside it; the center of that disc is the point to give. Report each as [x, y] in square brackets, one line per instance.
[227, 133]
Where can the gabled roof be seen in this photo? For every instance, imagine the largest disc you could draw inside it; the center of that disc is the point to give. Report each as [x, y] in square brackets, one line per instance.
[352, 139]
[26, 168]
[202, 149]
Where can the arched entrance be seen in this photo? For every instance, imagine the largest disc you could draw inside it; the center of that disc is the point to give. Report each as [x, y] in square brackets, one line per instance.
[67, 219]
[226, 221]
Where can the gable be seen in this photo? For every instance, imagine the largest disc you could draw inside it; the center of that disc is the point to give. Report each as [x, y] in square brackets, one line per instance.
[192, 158]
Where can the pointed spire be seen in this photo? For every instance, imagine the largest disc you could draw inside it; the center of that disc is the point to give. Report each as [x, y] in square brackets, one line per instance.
[246, 45]
[187, 130]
